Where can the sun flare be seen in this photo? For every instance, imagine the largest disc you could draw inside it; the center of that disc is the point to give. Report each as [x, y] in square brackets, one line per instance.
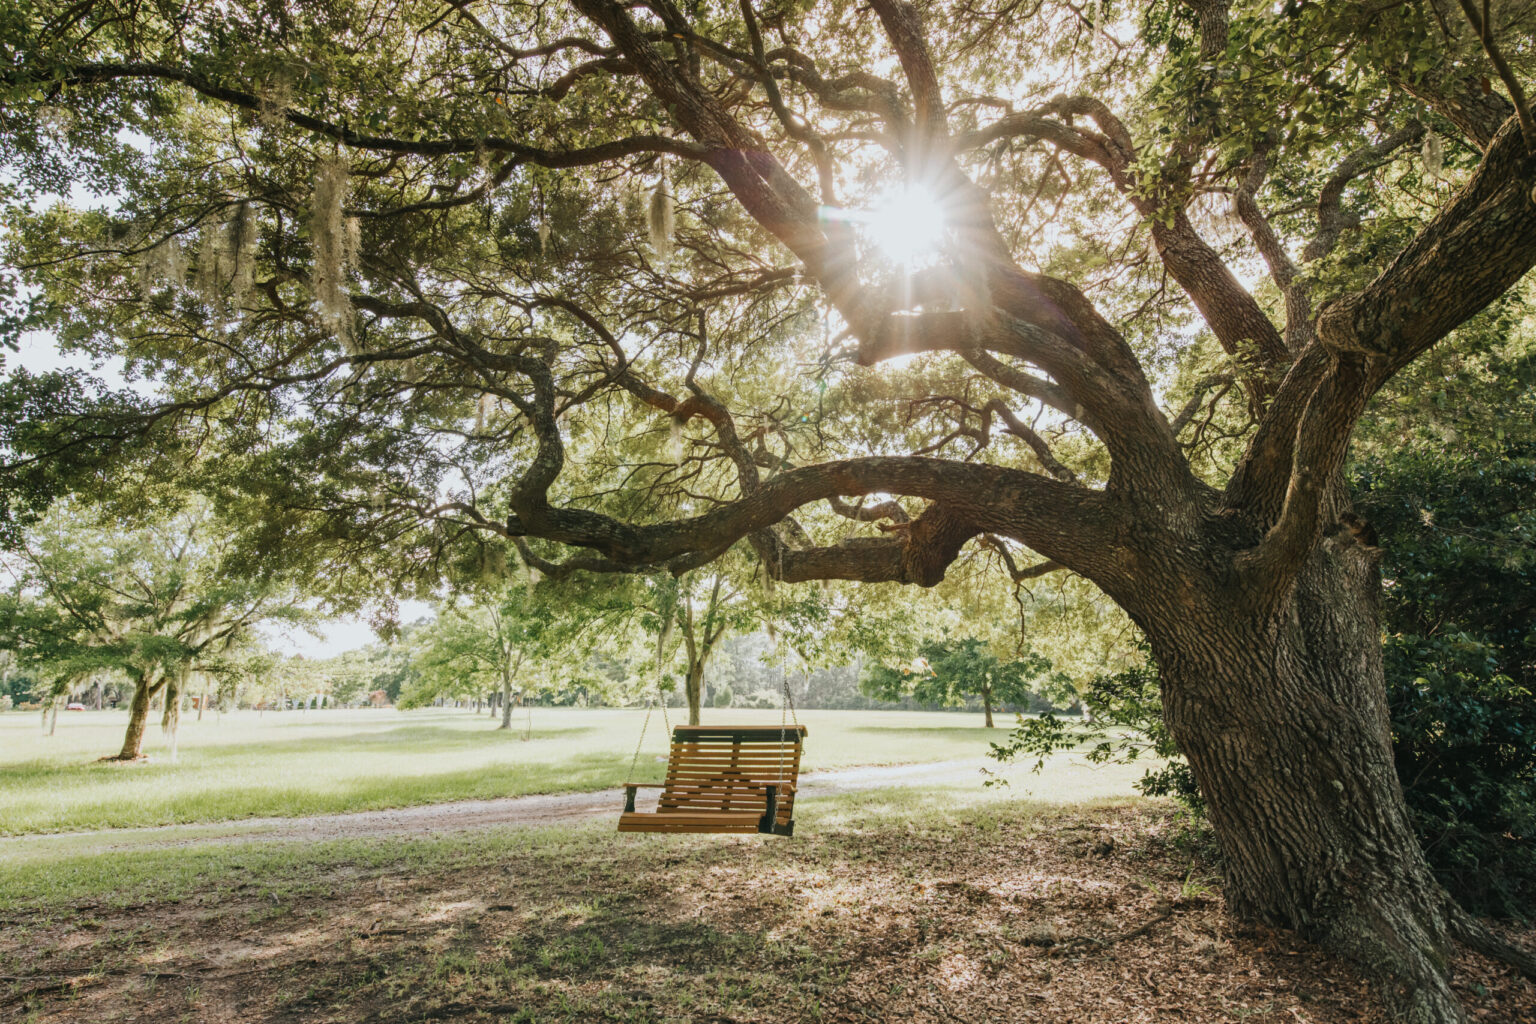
[907, 226]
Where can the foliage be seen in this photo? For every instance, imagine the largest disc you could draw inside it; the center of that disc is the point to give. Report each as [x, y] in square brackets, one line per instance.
[947, 671]
[518, 636]
[153, 599]
[1457, 527]
[1125, 710]
[88, 595]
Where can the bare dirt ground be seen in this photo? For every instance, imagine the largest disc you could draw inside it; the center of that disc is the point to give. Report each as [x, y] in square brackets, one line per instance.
[457, 816]
[1102, 915]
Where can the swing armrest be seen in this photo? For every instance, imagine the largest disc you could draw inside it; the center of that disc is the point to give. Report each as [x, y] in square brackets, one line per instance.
[783, 787]
[631, 787]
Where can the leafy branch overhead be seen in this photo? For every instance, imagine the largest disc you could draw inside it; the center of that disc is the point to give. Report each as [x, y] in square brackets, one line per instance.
[877, 294]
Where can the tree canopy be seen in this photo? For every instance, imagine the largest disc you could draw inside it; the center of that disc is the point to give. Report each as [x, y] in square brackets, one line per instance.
[153, 601]
[620, 286]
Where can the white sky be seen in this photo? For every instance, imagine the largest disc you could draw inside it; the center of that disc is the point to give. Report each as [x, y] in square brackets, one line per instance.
[337, 636]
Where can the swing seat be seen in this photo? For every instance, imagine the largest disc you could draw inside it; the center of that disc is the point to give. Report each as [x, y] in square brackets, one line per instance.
[723, 778]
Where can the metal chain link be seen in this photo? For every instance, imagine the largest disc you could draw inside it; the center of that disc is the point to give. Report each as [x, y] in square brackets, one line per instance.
[649, 704]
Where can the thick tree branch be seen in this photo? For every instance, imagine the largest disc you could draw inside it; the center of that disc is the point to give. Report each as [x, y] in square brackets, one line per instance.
[1065, 522]
[1271, 567]
[1522, 106]
[1331, 218]
[904, 29]
[1471, 253]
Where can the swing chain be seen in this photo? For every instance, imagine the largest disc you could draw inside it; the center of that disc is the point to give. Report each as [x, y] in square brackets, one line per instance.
[649, 704]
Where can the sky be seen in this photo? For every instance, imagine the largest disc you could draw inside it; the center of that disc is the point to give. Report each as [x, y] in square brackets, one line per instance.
[337, 636]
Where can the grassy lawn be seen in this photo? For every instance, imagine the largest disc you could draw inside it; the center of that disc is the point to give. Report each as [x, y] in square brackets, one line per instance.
[300, 763]
[933, 905]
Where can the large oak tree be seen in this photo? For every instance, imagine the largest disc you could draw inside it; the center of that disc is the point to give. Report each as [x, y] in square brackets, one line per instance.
[390, 257]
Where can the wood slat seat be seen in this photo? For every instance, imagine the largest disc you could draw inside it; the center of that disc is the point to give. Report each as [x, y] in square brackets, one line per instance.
[723, 778]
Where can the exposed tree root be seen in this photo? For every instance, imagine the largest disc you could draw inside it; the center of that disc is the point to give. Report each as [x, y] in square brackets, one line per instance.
[1408, 957]
[1477, 936]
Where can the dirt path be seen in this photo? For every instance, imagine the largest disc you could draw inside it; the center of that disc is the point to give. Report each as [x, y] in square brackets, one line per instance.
[459, 816]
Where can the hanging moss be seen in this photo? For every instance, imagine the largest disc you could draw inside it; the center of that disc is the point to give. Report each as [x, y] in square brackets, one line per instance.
[1434, 155]
[240, 234]
[272, 101]
[162, 265]
[335, 248]
[660, 219]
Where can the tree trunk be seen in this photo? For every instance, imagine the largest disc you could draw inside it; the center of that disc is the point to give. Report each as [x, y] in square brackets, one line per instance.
[170, 721]
[694, 689]
[138, 717]
[986, 702]
[506, 701]
[1283, 717]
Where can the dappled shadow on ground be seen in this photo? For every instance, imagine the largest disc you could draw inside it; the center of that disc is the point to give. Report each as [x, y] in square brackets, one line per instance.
[1104, 914]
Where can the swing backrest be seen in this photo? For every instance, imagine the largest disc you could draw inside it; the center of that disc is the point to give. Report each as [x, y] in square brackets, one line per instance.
[723, 768]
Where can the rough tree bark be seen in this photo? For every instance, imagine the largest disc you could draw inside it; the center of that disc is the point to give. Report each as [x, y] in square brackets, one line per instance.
[1282, 715]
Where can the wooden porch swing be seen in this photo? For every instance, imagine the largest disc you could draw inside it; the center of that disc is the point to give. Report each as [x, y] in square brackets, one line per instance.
[724, 778]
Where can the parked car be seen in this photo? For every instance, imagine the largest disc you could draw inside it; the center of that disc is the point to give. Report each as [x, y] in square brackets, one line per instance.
[74, 706]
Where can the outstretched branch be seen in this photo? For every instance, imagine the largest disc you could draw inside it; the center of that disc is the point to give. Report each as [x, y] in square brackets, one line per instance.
[585, 156]
[1484, 28]
[1331, 218]
[1470, 254]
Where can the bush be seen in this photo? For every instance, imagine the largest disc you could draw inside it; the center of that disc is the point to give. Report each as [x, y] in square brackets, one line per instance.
[1129, 700]
[1459, 608]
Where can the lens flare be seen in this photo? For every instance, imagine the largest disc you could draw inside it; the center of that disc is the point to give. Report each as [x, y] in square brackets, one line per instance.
[907, 226]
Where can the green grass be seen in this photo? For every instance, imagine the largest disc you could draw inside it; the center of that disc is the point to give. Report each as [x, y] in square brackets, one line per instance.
[299, 763]
[70, 871]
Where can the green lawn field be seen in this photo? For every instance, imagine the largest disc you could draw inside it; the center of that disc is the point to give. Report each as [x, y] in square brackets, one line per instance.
[284, 764]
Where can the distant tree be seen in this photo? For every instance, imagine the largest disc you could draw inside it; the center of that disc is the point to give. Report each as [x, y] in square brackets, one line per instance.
[465, 653]
[692, 615]
[947, 672]
[503, 634]
[151, 600]
[351, 676]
